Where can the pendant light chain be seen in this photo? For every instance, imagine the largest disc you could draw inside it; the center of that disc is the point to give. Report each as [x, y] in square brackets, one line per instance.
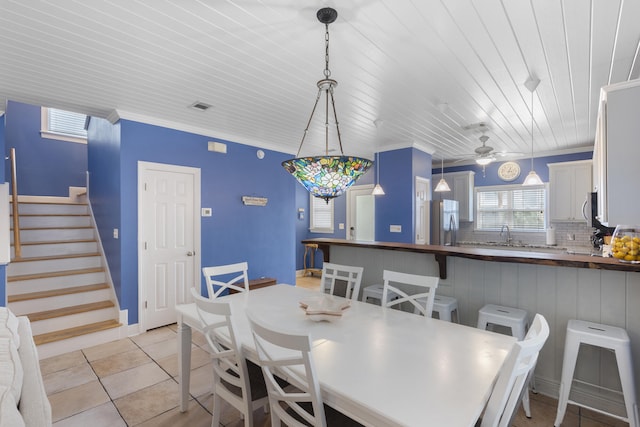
[326, 176]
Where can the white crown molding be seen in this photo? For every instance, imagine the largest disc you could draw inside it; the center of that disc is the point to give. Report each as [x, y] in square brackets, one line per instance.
[116, 115]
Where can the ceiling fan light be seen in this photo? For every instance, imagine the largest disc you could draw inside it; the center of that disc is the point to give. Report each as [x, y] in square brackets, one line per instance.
[484, 161]
[532, 179]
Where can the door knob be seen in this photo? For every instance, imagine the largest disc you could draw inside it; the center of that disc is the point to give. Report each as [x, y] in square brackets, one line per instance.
[190, 253]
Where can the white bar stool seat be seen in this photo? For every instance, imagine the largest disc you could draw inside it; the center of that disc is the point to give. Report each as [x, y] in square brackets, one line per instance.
[375, 292]
[517, 320]
[609, 337]
[445, 306]
[509, 317]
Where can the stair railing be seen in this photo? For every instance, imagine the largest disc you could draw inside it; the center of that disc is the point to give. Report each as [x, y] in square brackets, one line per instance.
[14, 198]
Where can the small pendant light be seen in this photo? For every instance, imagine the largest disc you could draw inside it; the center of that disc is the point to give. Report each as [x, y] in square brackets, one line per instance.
[442, 185]
[532, 179]
[377, 190]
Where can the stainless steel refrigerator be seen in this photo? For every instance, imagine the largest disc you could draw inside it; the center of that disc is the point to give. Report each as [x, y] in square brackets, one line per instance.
[444, 222]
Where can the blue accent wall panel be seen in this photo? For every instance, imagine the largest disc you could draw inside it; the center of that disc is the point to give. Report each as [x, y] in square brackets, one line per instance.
[395, 207]
[39, 160]
[262, 236]
[104, 194]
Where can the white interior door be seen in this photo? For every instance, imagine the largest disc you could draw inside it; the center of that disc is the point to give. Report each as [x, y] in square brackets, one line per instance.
[423, 213]
[169, 239]
[361, 213]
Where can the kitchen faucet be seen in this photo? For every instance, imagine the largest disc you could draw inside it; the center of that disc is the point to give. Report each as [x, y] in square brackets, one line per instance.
[508, 233]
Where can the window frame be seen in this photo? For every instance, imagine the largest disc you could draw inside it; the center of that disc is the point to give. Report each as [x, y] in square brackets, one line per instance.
[512, 227]
[314, 204]
[47, 133]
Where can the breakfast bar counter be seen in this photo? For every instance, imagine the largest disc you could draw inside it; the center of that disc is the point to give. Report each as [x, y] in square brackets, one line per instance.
[558, 259]
[557, 285]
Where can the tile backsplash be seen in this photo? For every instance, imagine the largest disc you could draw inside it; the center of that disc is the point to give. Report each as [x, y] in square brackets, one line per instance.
[568, 235]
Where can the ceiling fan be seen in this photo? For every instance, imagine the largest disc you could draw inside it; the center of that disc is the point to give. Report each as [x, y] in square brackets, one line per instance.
[484, 154]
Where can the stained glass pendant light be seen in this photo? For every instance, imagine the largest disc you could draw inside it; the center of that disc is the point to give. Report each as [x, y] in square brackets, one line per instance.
[532, 179]
[326, 176]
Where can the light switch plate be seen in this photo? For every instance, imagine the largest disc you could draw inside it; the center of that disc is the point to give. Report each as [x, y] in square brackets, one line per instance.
[395, 228]
[206, 211]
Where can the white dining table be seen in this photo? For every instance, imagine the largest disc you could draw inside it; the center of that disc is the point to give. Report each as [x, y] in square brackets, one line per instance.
[380, 366]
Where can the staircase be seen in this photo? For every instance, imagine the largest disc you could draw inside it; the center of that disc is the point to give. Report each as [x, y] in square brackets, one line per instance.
[60, 282]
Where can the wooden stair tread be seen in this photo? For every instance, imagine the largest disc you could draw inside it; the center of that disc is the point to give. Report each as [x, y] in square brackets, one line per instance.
[43, 202]
[74, 332]
[80, 227]
[67, 311]
[52, 214]
[56, 292]
[56, 242]
[55, 274]
[53, 257]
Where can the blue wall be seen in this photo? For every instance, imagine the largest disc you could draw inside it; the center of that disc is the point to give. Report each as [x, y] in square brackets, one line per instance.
[398, 171]
[490, 176]
[263, 236]
[38, 159]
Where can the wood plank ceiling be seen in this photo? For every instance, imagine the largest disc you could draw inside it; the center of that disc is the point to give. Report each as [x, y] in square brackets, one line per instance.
[427, 71]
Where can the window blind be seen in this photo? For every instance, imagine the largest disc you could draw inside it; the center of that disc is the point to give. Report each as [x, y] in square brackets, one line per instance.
[521, 208]
[321, 220]
[66, 122]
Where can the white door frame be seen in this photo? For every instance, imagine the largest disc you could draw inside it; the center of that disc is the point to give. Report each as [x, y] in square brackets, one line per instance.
[351, 193]
[143, 168]
[427, 211]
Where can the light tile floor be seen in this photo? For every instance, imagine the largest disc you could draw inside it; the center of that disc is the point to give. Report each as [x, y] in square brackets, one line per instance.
[133, 382]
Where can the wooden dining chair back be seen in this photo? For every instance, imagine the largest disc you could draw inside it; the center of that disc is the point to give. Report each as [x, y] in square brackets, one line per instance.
[216, 287]
[351, 276]
[233, 380]
[418, 290]
[279, 353]
[513, 377]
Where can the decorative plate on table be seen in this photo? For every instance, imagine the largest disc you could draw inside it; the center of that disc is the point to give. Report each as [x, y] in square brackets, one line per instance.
[325, 308]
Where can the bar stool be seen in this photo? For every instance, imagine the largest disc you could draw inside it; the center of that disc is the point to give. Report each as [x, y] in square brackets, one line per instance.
[509, 317]
[309, 259]
[515, 319]
[604, 336]
[446, 307]
[375, 292]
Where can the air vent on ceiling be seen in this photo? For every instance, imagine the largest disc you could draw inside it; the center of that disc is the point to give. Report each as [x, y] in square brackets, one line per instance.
[200, 106]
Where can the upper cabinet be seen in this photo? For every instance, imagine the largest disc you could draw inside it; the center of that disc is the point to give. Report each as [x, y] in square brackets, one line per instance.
[617, 154]
[569, 183]
[461, 184]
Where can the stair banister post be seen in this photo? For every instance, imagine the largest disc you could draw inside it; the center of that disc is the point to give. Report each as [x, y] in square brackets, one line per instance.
[16, 219]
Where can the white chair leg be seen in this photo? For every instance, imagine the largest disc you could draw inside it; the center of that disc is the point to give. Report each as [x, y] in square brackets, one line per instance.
[571, 349]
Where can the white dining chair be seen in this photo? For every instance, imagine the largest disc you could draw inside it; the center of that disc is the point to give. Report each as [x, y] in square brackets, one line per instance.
[239, 283]
[421, 299]
[287, 356]
[514, 374]
[350, 275]
[238, 382]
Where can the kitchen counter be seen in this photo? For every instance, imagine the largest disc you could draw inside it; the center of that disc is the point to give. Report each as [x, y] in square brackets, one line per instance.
[558, 285]
[559, 258]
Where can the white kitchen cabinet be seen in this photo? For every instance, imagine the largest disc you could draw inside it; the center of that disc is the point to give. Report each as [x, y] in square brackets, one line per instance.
[617, 154]
[569, 183]
[462, 185]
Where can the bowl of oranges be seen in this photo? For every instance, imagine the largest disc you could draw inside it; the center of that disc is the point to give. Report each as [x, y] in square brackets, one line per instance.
[625, 244]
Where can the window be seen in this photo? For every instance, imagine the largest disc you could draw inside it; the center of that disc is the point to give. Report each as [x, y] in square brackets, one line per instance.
[63, 125]
[521, 208]
[321, 218]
